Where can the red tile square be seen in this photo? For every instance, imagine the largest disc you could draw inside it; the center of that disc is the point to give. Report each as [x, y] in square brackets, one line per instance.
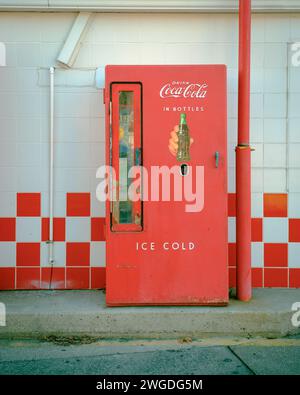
[294, 230]
[78, 204]
[256, 229]
[276, 254]
[294, 278]
[78, 254]
[7, 278]
[257, 277]
[275, 205]
[28, 204]
[231, 204]
[53, 278]
[275, 277]
[28, 254]
[97, 229]
[78, 278]
[232, 277]
[98, 277]
[28, 278]
[231, 254]
[7, 229]
[59, 229]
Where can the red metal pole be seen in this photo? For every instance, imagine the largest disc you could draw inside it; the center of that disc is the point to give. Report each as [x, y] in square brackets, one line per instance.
[243, 158]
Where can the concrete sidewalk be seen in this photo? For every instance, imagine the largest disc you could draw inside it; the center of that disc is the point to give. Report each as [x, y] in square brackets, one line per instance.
[36, 314]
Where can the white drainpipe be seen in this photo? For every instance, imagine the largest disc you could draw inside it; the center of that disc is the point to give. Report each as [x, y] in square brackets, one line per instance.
[50, 241]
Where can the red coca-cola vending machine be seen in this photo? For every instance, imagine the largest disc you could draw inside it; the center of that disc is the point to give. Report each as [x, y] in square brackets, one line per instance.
[166, 211]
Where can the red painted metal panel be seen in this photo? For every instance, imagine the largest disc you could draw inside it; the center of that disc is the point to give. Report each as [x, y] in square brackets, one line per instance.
[146, 267]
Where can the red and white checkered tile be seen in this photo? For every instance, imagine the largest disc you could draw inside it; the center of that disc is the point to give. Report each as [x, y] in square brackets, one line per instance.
[79, 247]
[275, 240]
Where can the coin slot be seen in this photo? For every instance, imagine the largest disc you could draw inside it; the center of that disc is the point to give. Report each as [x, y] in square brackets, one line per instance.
[184, 169]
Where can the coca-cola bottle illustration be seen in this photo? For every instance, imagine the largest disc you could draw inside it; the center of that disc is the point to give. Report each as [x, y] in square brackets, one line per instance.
[183, 153]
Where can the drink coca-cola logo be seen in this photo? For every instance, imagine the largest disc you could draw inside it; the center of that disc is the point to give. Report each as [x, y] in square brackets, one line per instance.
[184, 90]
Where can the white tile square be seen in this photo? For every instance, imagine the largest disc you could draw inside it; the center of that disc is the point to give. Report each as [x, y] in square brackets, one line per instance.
[257, 80]
[231, 229]
[257, 180]
[98, 253]
[59, 204]
[231, 154]
[275, 230]
[294, 155]
[232, 130]
[257, 205]
[28, 229]
[294, 100]
[8, 204]
[275, 55]
[7, 254]
[277, 28]
[59, 254]
[274, 105]
[8, 128]
[294, 205]
[29, 179]
[294, 130]
[294, 255]
[231, 180]
[8, 155]
[274, 180]
[256, 105]
[275, 130]
[257, 254]
[78, 229]
[97, 207]
[256, 130]
[8, 179]
[232, 102]
[28, 154]
[257, 155]
[275, 80]
[294, 180]
[275, 155]
[294, 75]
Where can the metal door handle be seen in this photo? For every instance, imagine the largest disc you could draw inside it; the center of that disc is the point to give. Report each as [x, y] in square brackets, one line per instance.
[217, 158]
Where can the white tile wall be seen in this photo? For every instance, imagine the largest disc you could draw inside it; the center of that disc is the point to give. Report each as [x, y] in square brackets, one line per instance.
[28, 229]
[294, 130]
[256, 130]
[294, 155]
[274, 180]
[231, 230]
[294, 180]
[257, 205]
[294, 205]
[274, 130]
[8, 204]
[59, 253]
[257, 180]
[78, 229]
[97, 251]
[257, 254]
[33, 41]
[274, 155]
[275, 105]
[7, 254]
[275, 230]
[294, 255]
